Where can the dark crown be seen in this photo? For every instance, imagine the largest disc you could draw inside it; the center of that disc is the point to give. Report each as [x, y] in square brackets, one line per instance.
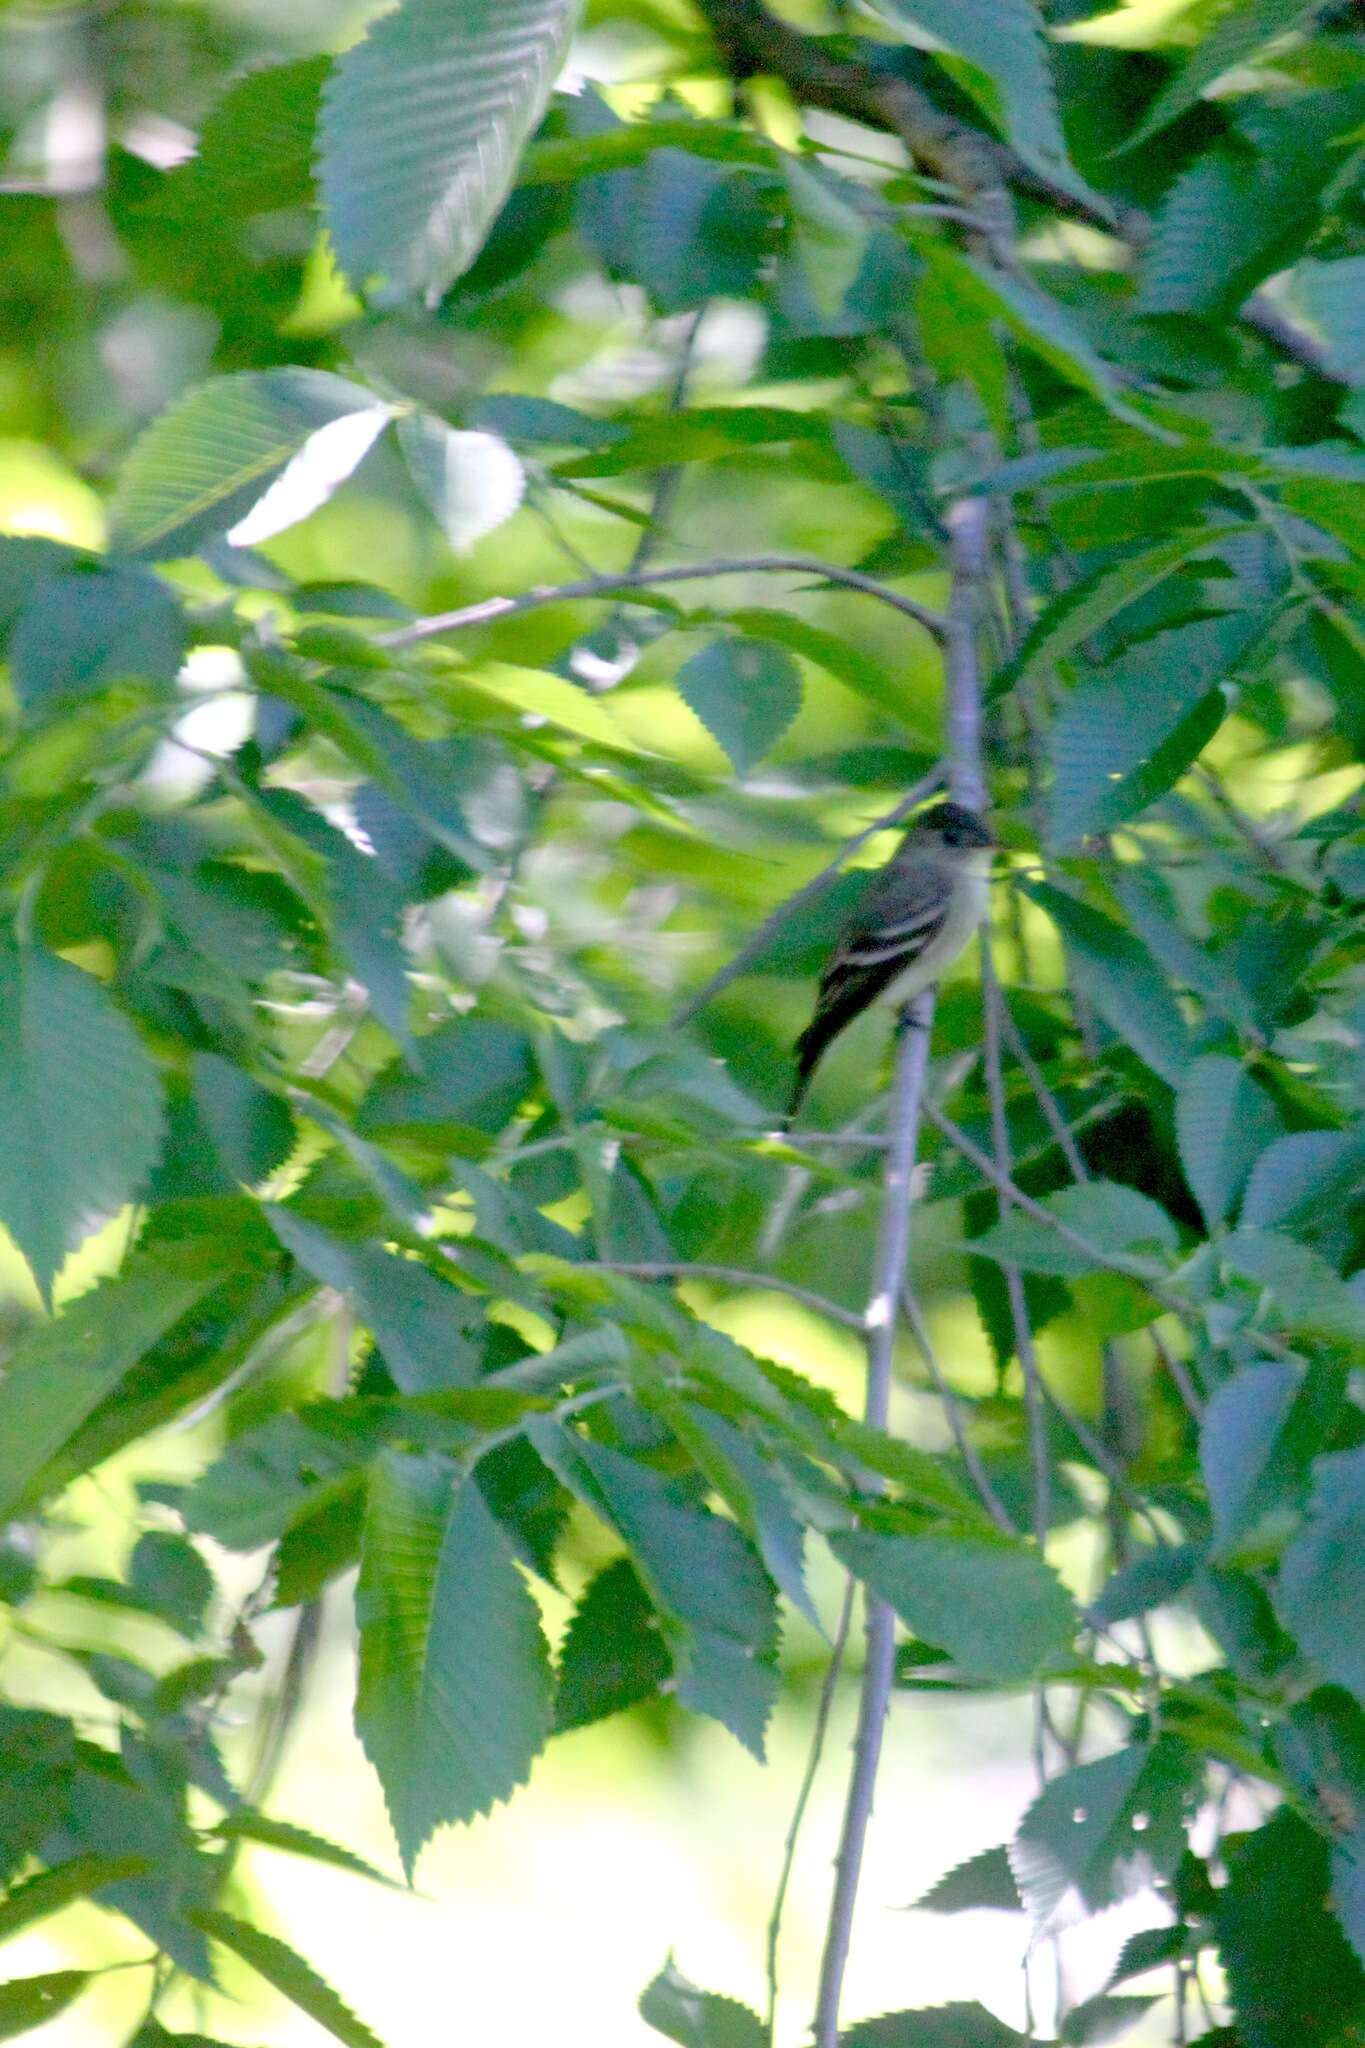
[955, 825]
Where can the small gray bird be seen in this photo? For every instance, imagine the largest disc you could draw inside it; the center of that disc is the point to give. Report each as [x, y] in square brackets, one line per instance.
[912, 920]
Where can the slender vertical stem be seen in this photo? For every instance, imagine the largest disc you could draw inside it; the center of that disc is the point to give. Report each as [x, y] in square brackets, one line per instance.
[828, 1687]
[968, 537]
[893, 1245]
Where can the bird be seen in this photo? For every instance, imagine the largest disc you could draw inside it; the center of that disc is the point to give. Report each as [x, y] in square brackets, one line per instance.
[910, 922]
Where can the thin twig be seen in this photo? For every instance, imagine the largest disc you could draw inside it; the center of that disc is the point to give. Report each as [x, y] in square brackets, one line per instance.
[968, 527]
[893, 1245]
[607, 585]
[1046, 1100]
[952, 1408]
[1180, 1376]
[725, 1276]
[825, 1707]
[810, 892]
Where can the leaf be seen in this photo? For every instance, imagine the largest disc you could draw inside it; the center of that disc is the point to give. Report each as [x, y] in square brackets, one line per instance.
[1307, 1991]
[1302, 1178]
[1149, 1580]
[50, 1890]
[1120, 978]
[27, 2002]
[1328, 294]
[61, 1370]
[274, 1476]
[698, 2019]
[420, 1323]
[95, 626]
[1121, 740]
[290, 1975]
[1307, 1296]
[1235, 37]
[982, 1881]
[541, 698]
[37, 1755]
[613, 1654]
[936, 2026]
[472, 481]
[171, 1579]
[453, 1702]
[252, 1128]
[997, 1609]
[1002, 42]
[422, 125]
[1102, 2019]
[829, 233]
[1223, 1122]
[244, 455]
[244, 1825]
[1044, 325]
[476, 1072]
[1109, 1215]
[1261, 1428]
[1102, 1830]
[1322, 1577]
[1099, 597]
[745, 692]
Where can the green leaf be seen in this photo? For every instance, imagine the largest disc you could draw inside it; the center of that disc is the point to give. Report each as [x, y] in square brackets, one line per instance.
[252, 1128]
[27, 2002]
[244, 1825]
[453, 1703]
[1121, 979]
[475, 1074]
[61, 1370]
[829, 233]
[94, 626]
[1099, 597]
[80, 1106]
[1307, 1296]
[1223, 1123]
[1107, 1214]
[275, 1476]
[422, 125]
[1002, 43]
[698, 2019]
[997, 1609]
[290, 1975]
[37, 1755]
[472, 481]
[1103, 1829]
[537, 695]
[1151, 1579]
[1307, 1991]
[169, 1576]
[1123, 739]
[613, 1654]
[1329, 296]
[50, 1890]
[1322, 1577]
[1304, 1177]
[746, 693]
[982, 1881]
[1260, 1430]
[246, 456]
[420, 1323]
[256, 143]
[1234, 38]
[936, 2026]
[1043, 325]
[1102, 2019]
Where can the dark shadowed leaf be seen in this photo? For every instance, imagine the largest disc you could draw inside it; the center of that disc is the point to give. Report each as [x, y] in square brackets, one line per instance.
[698, 2019]
[291, 1976]
[1099, 1831]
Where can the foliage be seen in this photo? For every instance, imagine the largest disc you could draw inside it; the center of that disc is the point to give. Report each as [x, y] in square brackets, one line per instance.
[353, 872]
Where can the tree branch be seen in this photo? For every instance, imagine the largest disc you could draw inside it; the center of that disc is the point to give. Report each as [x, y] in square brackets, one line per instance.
[725, 1276]
[893, 1246]
[606, 585]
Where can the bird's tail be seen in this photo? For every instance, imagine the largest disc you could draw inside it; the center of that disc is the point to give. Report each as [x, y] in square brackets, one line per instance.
[808, 1049]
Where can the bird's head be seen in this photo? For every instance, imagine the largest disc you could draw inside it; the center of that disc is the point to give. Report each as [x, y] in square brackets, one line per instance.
[953, 827]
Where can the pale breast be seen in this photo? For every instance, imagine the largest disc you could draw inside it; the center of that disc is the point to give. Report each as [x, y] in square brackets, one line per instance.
[967, 912]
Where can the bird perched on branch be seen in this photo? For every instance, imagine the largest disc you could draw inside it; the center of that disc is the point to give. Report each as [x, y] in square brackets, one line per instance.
[912, 920]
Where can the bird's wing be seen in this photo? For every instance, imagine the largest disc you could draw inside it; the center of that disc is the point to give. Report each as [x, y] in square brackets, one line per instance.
[901, 911]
